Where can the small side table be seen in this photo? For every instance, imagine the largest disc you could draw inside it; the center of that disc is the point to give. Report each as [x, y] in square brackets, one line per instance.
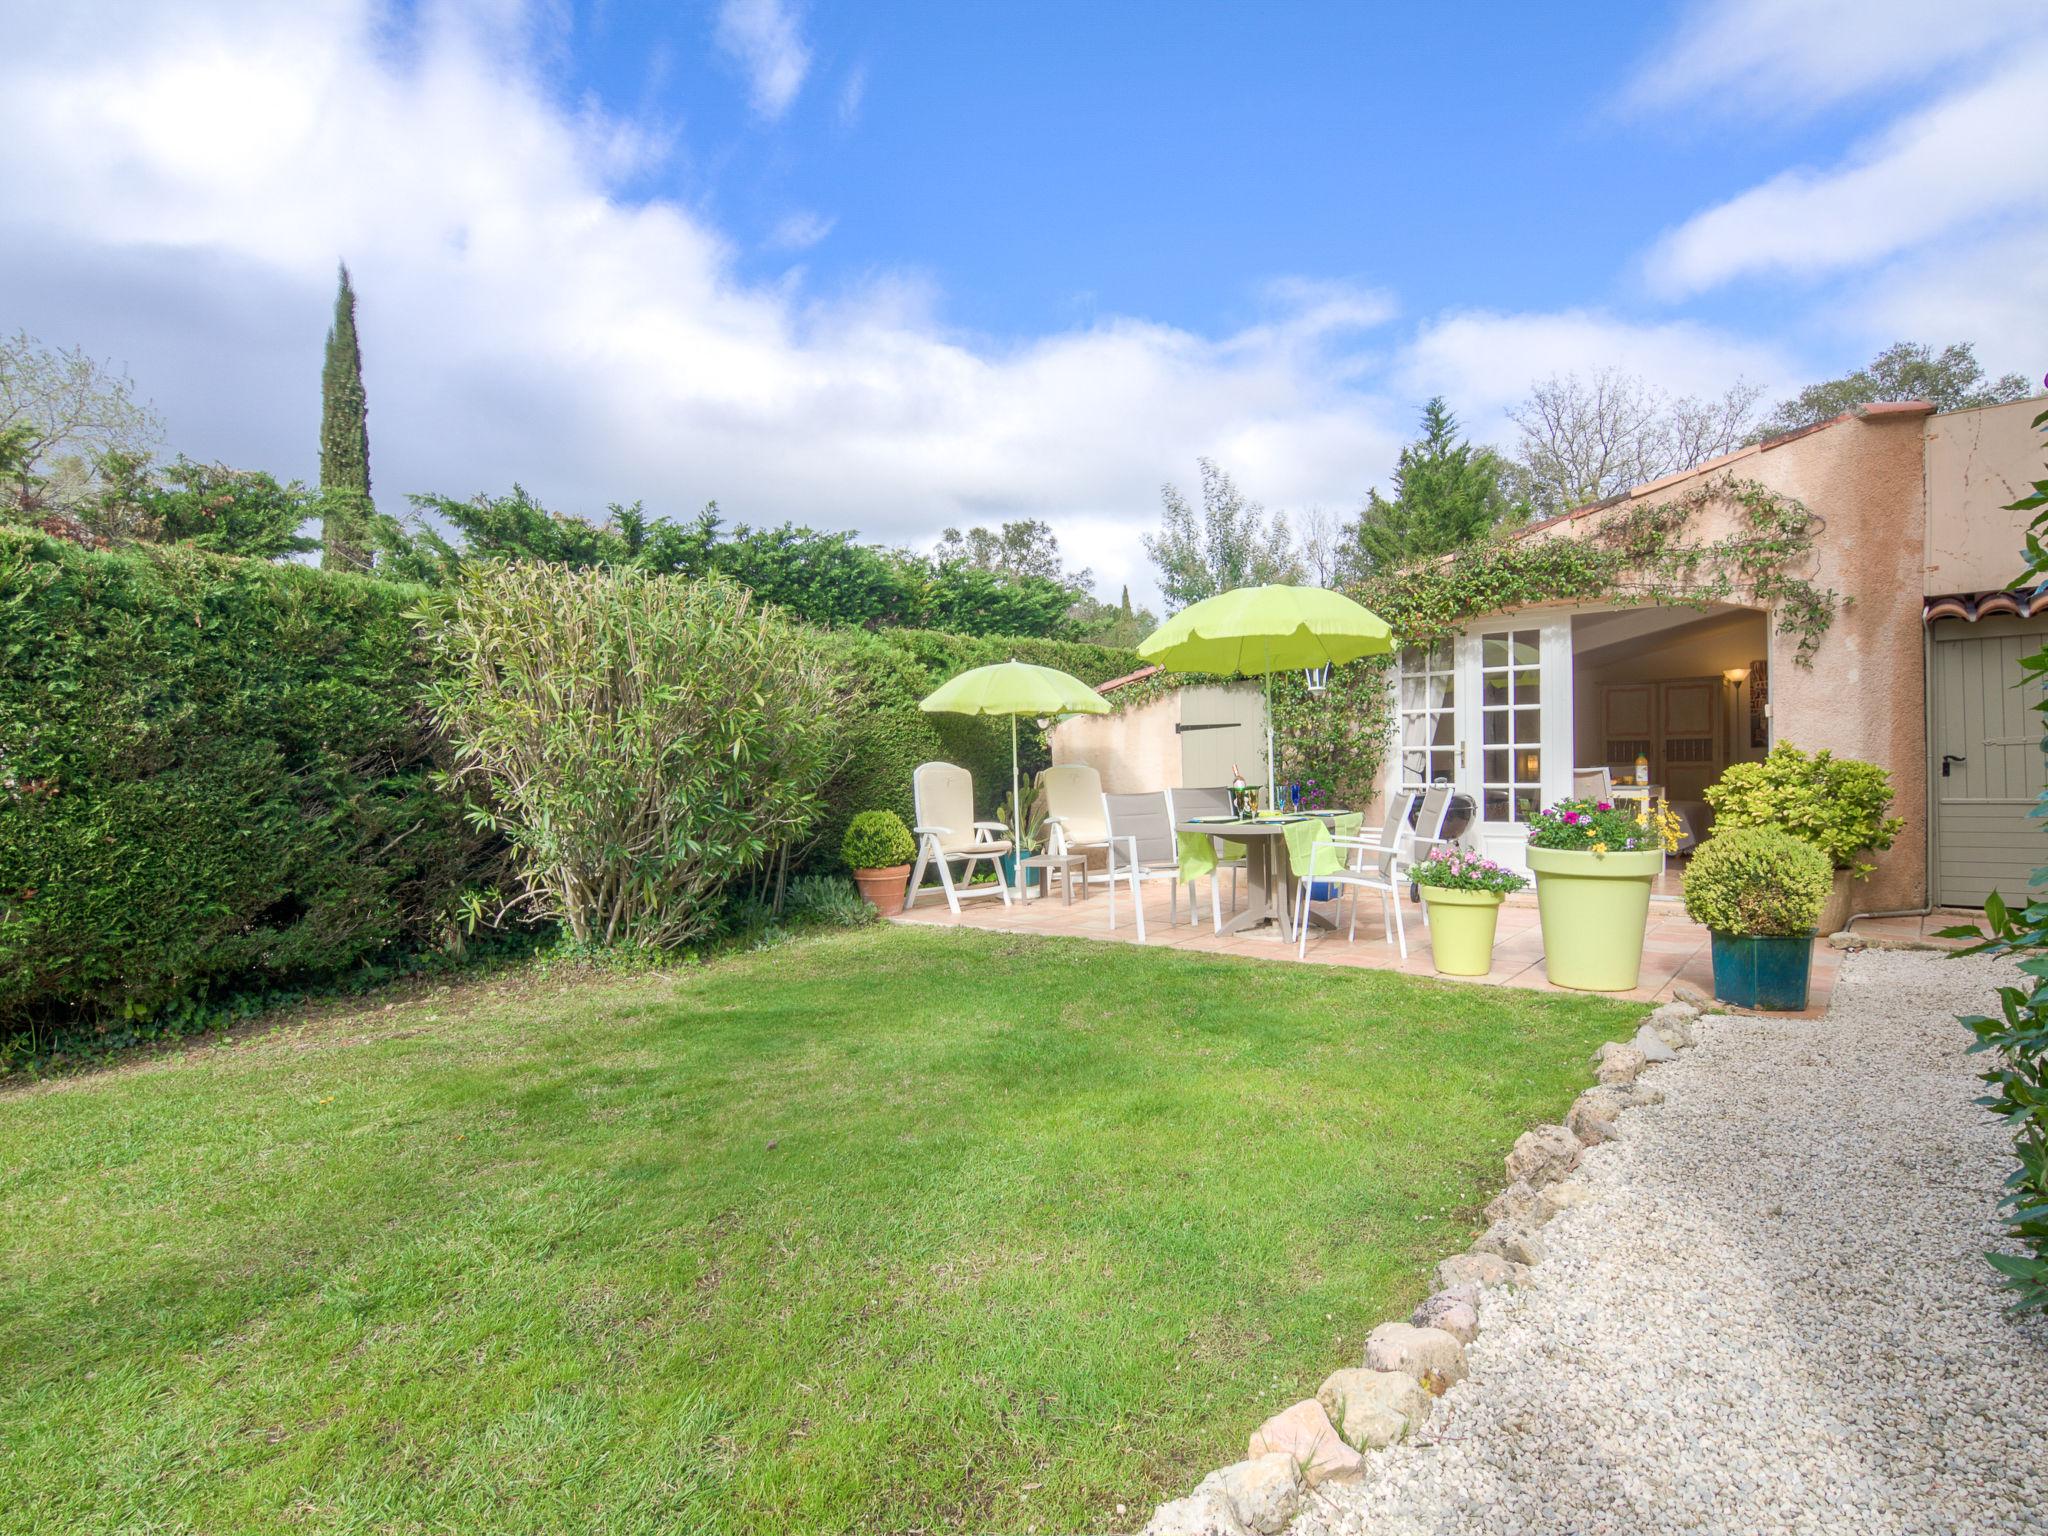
[1065, 863]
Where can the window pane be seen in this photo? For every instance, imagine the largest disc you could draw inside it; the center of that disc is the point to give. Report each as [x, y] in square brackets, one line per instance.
[1528, 687]
[1442, 765]
[1528, 723]
[1446, 732]
[1415, 730]
[1527, 651]
[1497, 768]
[1528, 766]
[1493, 689]
[1493, 651]
[1527, 803]
[1413, 766]
[1496, 805]
[1495, 729]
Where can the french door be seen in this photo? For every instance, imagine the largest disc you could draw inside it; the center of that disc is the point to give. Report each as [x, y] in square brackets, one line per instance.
[1514, 688]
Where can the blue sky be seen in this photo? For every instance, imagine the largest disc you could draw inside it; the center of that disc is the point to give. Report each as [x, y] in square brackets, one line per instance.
[898, 266]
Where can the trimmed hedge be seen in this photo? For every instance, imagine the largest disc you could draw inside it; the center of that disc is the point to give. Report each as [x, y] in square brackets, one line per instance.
[213, 775]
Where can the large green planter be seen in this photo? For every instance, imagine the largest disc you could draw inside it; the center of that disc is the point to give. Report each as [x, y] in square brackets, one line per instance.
[1751, 971]
[1461, 925]
[1594, 908]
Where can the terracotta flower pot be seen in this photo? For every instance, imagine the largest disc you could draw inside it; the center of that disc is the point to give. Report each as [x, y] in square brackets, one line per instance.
[883, 889]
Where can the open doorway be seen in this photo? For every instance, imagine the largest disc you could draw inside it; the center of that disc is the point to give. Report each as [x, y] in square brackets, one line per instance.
[1676, 694]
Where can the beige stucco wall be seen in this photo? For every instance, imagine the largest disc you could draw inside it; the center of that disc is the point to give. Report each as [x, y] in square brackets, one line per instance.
[1864, 694]
[1978, 463]
[1134, 750]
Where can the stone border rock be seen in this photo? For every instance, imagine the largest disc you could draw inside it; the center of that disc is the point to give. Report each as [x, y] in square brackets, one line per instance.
[1408, 1365]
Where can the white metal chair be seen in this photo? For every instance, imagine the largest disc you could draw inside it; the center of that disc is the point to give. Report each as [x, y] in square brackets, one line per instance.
[1073, 811]
[1369, 863]
[1183, 804]
[1141, 847]
[948, 833]
[1427, 833]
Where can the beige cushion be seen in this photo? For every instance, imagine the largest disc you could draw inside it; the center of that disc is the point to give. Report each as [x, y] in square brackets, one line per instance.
[1073, 793]
[944, 796]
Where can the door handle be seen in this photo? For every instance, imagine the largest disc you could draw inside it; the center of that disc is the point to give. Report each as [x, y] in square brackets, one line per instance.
[1951, 757]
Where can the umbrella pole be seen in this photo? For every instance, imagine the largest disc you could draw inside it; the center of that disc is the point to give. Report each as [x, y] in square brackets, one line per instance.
[1270, 789]
[1016, 803]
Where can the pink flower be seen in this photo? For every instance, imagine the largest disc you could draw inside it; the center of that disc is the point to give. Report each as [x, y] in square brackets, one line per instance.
[1571, 816]
[1604, 805]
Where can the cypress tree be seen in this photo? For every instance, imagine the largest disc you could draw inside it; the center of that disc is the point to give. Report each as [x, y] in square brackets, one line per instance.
[344, 441]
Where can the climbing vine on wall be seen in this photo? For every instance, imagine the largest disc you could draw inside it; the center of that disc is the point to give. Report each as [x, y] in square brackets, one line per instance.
[1635, 555]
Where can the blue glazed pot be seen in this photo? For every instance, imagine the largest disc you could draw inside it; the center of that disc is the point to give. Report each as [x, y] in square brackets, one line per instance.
[1766, 973]
[1009, 863]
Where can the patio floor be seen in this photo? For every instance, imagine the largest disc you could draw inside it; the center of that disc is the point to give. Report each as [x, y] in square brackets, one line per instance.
[1675, 949]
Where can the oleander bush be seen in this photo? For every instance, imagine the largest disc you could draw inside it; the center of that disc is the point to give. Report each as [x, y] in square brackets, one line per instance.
[2015, 1039]
[1836, 803]
[214, 776]
[877, 840]
[640, 741]
[1757, 881]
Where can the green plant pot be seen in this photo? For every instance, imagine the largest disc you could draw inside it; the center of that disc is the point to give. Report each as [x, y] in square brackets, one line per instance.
[1009, 863]
[1594, 908]
[1461, 925]
[1751, 971]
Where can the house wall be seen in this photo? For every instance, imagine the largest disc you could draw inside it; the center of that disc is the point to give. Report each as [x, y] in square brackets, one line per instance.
[1864, 695]
[1977, 463]
[1134, 750]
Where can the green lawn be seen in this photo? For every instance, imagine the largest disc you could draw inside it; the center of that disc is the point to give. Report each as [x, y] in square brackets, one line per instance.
[889, 1230]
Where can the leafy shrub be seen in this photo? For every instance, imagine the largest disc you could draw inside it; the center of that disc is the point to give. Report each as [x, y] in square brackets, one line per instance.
[2017, 1036]
[1837, 804]
[1450, 868]
[827, 901]
[1758, 881]
[640, 740]
[1600, 826]
[877, 840]
[213, 776]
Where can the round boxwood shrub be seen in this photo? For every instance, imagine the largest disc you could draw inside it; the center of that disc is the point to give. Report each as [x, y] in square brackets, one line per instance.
[1757, 881]
[877, 840]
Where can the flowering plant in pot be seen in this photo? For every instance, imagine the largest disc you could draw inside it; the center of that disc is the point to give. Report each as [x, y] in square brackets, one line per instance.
[1463, 892]
[878, 849]
[1594, 862]
[1759, 891]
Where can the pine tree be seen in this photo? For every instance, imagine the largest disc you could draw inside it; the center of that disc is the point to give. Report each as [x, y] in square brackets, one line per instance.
[1447, 493]
[344, 441]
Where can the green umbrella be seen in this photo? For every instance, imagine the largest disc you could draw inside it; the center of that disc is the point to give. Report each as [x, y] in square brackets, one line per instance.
[1014, 688]
[1257, 631]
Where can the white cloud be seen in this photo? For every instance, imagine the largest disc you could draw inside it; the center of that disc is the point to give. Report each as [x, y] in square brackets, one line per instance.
[762, 37]
[799, 231]
[853, 94]
[1767, 57]
[522, 320]
[1969, 155]
[1483, 362]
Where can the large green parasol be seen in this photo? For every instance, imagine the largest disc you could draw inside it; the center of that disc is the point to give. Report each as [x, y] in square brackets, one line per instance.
[1257, 631]
[1014, 688]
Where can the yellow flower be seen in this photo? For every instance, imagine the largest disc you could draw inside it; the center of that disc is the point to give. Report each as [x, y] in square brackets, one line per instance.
[1599, 847]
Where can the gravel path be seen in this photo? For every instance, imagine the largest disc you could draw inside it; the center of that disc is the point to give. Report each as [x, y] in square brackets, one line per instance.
[1772, 1315]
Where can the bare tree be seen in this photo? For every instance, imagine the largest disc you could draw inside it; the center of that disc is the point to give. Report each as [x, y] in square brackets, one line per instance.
[1321, 533]
[1587, 438]
[68, 412]
[1231, 542]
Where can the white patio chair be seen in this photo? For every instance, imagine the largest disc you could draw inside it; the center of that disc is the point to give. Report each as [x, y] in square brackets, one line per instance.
[948, 833]
[1355, 864]
[1183, 804]
[1073, 811]
[1141, 847]
[1593, 783]
[1426, 833]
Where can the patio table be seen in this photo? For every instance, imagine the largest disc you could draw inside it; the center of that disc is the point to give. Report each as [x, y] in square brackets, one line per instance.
[1269, 870]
